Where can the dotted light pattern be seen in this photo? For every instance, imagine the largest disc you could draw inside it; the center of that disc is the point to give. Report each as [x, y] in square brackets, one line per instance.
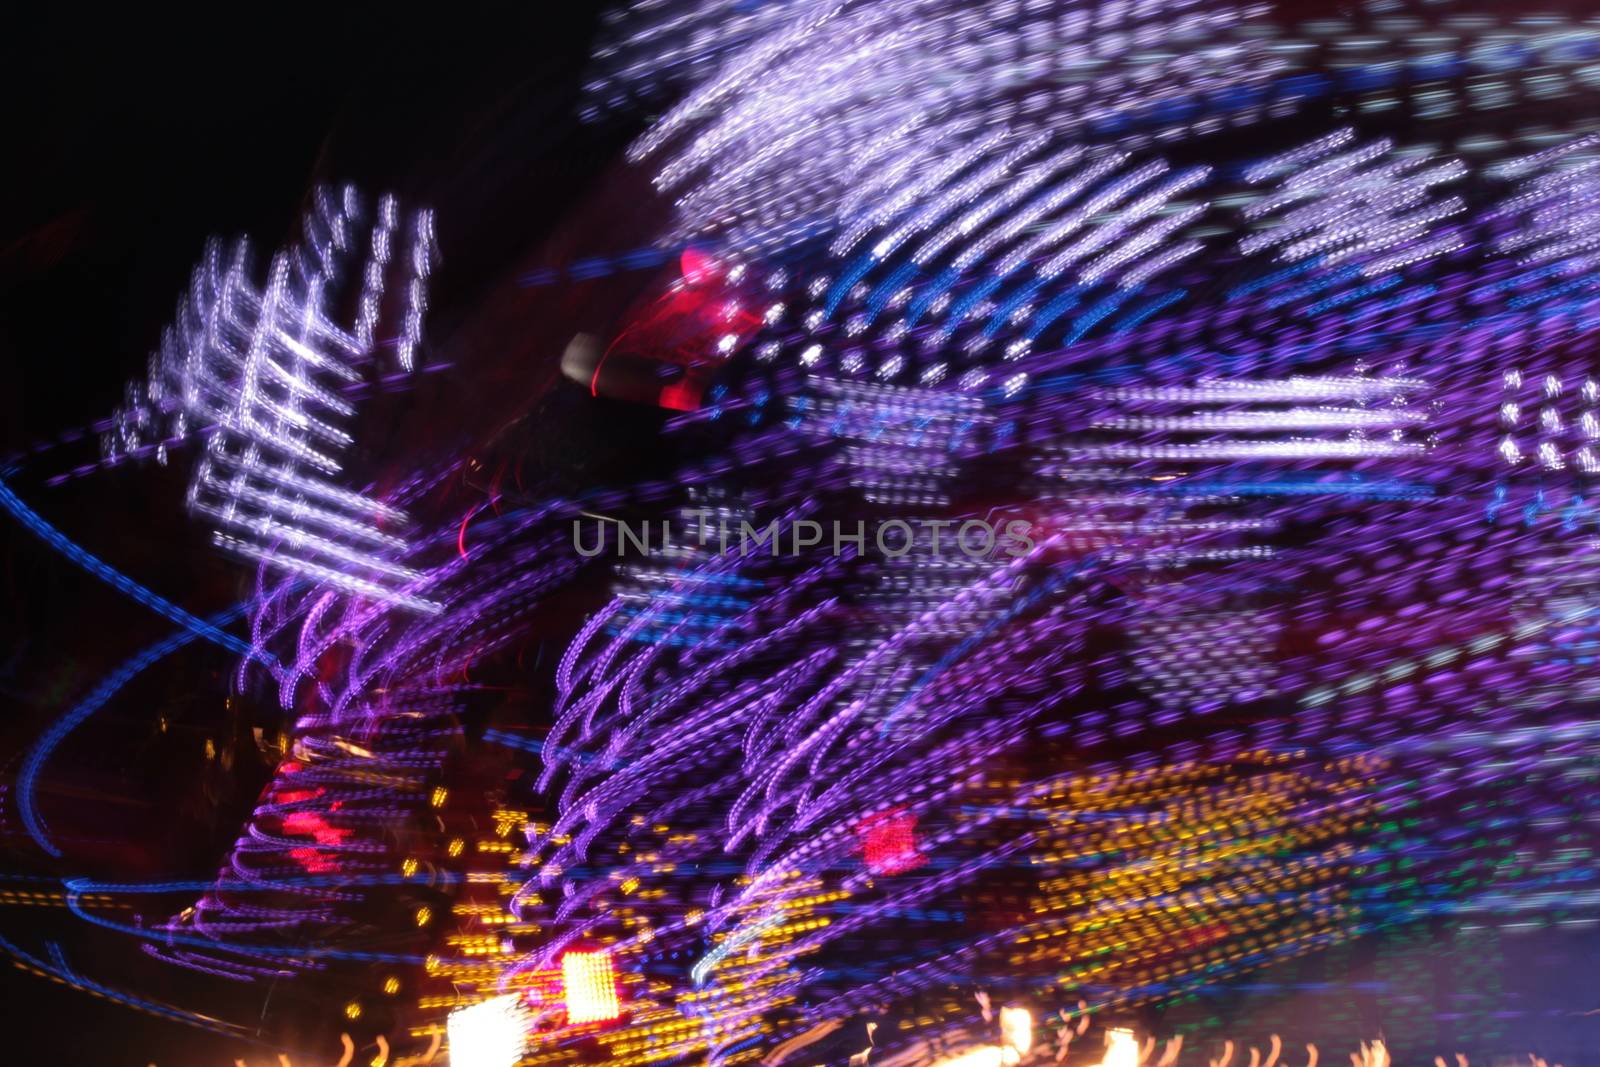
[796, 106]
[256, 372]
[589, 985]
[1298, 652]
[1215, 446]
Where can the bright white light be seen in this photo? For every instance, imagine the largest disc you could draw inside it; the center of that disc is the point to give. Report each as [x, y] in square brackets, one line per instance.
[590, 985]
[1016, 1033]
[490, 1034]
[1122, 1050]
[1016, 1036]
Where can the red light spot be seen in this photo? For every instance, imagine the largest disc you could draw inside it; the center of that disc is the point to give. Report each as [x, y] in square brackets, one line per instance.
[313, 861]
[889, 842]
[680, 396]
[315, 826]
[698, 268]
